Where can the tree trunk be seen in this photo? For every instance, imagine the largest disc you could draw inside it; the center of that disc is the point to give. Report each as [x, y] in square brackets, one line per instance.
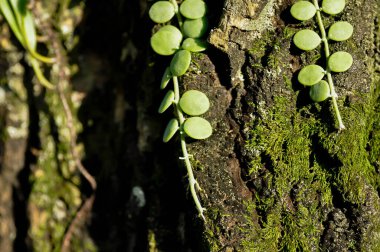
[275, 175]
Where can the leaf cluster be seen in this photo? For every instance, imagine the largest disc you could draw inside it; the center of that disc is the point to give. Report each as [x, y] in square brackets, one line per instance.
[180, 42]
[307, 40]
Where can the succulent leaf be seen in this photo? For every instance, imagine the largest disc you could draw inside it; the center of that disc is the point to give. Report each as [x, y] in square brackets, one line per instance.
[311, 75]
[306, 40]
[167, 40]
[303, 10]
[195, 28]
[320, 91]
[340, 31]
[170, 130]
[333, 7]
[166, 102]
[166, 77]
[197, 128]
[194, 102]
[161, 11]
[340, 61]
[193, 9]
[180, 62]
[194, 45]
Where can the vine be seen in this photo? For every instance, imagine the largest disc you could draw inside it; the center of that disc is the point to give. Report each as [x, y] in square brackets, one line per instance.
[312, 75]
[168, 40]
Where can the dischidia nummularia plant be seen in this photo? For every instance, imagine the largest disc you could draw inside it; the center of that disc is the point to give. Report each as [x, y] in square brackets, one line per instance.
[169, 40]
[307, 40]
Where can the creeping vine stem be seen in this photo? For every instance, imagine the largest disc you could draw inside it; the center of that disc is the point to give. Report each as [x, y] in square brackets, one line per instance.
[168, 40]
[178, 15]
[328, 71]
[192, 181]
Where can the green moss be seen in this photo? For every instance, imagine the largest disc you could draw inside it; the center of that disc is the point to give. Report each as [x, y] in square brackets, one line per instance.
[212, 230]
[51, 194]
[300, 161]
[259, 46]
[289, 32]
[296, 187]
[55, 195]
[374, 137]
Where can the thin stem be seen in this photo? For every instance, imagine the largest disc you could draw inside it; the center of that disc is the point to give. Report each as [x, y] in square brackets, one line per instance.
[40, 76]
[328, 72]
[176, 11]
[192, 182]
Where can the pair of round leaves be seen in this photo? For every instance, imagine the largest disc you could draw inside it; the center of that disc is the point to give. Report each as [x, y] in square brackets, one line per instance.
[305, 10]
[195, 26]
[194, 103]
[167, 40]
[162, 11]
[194, 127]
[308, 40]
[337, 62]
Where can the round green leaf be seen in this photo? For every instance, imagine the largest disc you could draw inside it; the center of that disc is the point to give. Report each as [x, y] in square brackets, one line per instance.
[333, 7]
[193, 9]
[306, 40]
[161, 11]
[166, 102]
[311, 75]
[197, 128]
[194, 102]
[340, 62]
[195, 28]
[303, 10]
[166, 78]
[320, 91]
[180, 62]
[167, 40]
[340, 31]
[170, 130]
[194, 45]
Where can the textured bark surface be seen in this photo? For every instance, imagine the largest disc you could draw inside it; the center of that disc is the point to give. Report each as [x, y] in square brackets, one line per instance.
[275, 175]
[286, 179]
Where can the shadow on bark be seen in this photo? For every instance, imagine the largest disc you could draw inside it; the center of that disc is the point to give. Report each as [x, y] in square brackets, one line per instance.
[22, 189]
[122, 134]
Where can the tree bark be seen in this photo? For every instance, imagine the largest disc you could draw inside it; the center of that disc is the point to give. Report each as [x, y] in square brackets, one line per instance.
[276, 174]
